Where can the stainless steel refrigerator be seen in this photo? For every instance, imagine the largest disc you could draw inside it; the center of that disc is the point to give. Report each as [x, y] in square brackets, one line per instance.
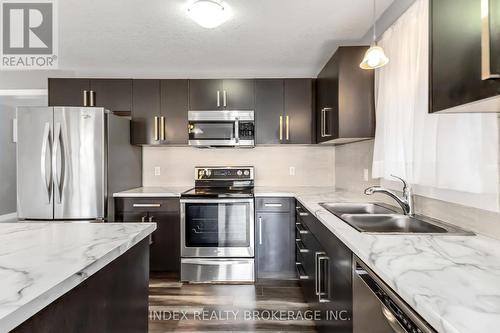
[70, 161]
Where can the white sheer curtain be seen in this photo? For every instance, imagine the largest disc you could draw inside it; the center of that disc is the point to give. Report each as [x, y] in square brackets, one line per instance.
[456, 152]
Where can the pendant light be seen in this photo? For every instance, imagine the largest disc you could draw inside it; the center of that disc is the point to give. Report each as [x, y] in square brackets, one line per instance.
[374, 56]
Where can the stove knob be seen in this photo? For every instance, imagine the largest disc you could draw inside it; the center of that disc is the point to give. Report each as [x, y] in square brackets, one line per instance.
[247, 172]
[208, 172]
[239, 173]
[201, 173]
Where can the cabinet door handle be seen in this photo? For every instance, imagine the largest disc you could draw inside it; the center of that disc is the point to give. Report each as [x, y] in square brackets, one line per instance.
[324, 133]
[323, 122]
[486, 43]
[92, 98]
[224, 98]
[260, 230]
[85, 98]
[155, 137]
[287, 128]
[281, 128]
[151, 220]
[162, 128]
[317, 279]
[321, 293]
[218, 98]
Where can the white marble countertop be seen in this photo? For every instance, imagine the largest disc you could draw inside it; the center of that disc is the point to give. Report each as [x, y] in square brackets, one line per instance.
[152, 192]
[453, 282]
[41, 261]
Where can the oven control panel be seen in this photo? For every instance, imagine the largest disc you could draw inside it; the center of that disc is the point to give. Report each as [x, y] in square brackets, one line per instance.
[224, 173]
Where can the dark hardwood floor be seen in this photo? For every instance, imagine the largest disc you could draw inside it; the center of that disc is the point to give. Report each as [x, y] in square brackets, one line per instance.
[181, 307]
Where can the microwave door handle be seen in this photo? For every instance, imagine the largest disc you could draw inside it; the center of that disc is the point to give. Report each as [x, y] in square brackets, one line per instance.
[237, 130]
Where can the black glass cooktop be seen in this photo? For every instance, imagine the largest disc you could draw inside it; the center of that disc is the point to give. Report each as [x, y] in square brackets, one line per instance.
[219, 192]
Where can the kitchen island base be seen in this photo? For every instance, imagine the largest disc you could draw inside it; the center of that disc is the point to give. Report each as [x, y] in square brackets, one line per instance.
[114, 299]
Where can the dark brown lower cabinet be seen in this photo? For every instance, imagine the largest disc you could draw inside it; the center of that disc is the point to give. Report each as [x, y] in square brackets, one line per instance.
[274, 238]
[165, 240]
[114, 299]
[324, 266]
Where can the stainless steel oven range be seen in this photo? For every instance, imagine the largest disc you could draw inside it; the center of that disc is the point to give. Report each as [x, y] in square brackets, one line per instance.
[217, 226]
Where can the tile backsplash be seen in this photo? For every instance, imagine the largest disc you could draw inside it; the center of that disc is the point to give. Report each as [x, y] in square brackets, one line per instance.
[274, 165]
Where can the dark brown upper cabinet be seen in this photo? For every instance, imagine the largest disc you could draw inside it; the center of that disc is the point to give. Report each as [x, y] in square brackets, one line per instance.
[215, 94]
[269, 106]
[174, 109]
[112, 94]
[284, 111]
[68, 92]
[345, 110]
[298, 111]
[159, 112]
[146, 111]
[457, 56]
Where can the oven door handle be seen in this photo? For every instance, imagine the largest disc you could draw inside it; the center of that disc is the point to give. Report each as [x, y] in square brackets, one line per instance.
[216, 201]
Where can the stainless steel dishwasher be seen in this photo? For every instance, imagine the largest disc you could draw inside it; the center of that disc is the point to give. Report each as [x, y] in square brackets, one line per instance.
[377, 309]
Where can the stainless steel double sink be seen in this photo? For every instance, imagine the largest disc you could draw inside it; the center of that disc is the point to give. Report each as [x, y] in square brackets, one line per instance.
[378, 218]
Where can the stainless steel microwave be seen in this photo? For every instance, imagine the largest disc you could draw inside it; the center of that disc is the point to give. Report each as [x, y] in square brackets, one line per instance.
[221, 128]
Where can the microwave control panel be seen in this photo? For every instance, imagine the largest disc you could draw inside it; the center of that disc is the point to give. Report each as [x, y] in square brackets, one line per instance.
[246, 130]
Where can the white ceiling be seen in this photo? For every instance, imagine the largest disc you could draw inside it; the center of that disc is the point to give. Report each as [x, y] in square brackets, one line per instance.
[155, 38]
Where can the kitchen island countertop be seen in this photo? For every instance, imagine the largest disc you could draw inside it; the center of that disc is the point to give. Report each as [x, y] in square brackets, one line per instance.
[41, 261]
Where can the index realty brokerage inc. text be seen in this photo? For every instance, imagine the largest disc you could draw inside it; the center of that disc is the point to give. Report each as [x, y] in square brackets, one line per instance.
[250, 315]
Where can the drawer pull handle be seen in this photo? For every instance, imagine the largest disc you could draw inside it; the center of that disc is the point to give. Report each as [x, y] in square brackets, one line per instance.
[300, 212]
[302, 248]
[152, 205]
[273, 205]
[301, 229]
[301, 271]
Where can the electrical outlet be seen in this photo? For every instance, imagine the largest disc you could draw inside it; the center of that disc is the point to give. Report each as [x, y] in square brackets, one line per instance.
[157, 171]
[291, 171]
[366, 175]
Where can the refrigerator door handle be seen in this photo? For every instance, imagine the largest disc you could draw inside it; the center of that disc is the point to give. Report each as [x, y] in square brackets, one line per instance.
[58, 169]
[43, 161]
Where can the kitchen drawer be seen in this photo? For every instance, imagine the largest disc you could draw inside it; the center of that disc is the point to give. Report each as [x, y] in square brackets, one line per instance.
[147, 204]
[273, 204]
[304, 215]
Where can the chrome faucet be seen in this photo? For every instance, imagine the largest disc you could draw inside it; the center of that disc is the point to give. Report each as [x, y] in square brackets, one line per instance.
[406, 202]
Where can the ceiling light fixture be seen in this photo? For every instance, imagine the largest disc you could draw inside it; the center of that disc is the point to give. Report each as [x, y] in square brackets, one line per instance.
[208, 13]
[375, 56]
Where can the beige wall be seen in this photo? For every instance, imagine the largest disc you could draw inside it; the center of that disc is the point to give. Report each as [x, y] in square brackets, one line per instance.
[314, 165]
[352, 159]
